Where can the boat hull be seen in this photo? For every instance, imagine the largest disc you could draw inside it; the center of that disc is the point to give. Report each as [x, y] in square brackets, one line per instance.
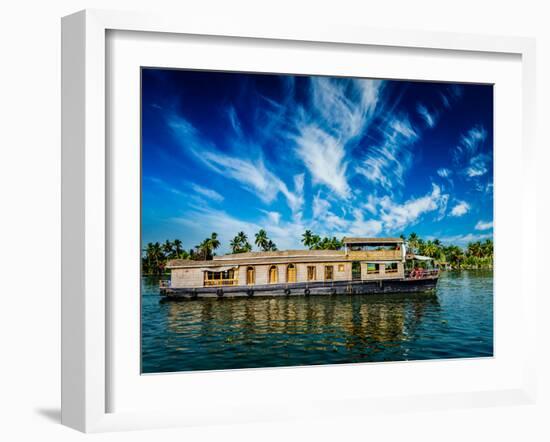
[409, 285]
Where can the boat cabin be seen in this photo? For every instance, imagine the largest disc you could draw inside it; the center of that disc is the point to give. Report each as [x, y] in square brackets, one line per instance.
[362, 259]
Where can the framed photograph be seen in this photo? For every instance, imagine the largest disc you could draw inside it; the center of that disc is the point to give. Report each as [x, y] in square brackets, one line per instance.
[291, 222]
[344, 220]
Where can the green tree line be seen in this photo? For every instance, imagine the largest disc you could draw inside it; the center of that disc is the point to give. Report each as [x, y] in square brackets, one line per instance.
[155, 255]
[476, 255]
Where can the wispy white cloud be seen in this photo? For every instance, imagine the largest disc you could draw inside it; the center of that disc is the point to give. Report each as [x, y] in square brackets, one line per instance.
[370, 204]
[295, 199]
[320, 206]
[429, 117]
[378, 215]
[340, 112]
[325, 158]
[471, 157]
[484, 225]
[396, 216]
[345, 107]
[444, 172]
[324, 219]
[208, 193]
[202, 221]
[464, 239]
[477, 166]
[451, 95]
[273, 217]
[364, 227]
[165, 186]
[187, 135]
[234, 121]
[442, 211]
[387, 163]
[252, 174]
[460, 209]
[470, 142]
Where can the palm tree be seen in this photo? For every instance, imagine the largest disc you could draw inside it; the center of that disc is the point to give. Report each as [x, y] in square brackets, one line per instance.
[178, 249]
[335, 243]
[263, 242]
[168, 249]
[147, 261]
[322, 244]
[235, 245]
[261, 239]
[315, 241]
[205, 250]
[454, 255]
[157, 259]
[240, 243]
[214, 241]
[430, 249]
[475, 249]
[413, 242]
[245, 245]
[487, 248]
[307, 238]
[326, 243]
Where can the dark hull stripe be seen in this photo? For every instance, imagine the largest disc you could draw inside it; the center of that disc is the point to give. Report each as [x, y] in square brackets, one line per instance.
[305, 288]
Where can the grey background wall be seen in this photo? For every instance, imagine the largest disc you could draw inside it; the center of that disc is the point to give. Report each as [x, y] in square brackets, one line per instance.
[30, 221]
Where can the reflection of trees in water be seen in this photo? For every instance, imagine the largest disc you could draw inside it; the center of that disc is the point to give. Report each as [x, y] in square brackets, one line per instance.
[349, 321]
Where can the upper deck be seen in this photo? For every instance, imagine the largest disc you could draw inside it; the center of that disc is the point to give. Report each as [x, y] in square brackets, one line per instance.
[374, 249]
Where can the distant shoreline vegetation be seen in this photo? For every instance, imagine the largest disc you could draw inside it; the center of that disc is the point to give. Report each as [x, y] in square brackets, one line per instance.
[476, 255]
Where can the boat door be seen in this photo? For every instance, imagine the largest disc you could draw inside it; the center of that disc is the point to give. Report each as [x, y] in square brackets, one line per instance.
[356, 271]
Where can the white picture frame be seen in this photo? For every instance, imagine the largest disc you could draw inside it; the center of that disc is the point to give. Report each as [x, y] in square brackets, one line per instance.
[86, 201]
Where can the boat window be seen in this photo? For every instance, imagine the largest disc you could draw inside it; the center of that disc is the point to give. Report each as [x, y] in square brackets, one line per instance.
[329, 273]
[372, 268]
[340, 267]
[391, 267]
[220, 278]
[250, 275]
[273, 274]
[291, 273]
[374, 247]
[311, 273]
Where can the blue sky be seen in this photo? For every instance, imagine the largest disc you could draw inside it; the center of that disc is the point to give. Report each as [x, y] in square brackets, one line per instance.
[225, 152]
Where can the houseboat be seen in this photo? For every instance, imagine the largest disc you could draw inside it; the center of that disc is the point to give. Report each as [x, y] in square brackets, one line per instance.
[364, 266]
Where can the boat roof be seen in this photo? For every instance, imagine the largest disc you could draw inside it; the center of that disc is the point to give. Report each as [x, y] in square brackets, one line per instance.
[372, 240]
[254, 258]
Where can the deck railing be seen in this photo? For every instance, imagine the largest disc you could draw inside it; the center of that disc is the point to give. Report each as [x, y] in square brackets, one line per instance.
[375, 255]
[421, 273]
[220, 282]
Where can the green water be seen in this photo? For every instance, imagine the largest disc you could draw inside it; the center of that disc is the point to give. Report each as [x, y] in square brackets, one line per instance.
[214, 334]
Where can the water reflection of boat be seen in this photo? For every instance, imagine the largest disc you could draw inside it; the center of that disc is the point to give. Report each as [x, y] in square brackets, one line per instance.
[365, 266]
[359, 320]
